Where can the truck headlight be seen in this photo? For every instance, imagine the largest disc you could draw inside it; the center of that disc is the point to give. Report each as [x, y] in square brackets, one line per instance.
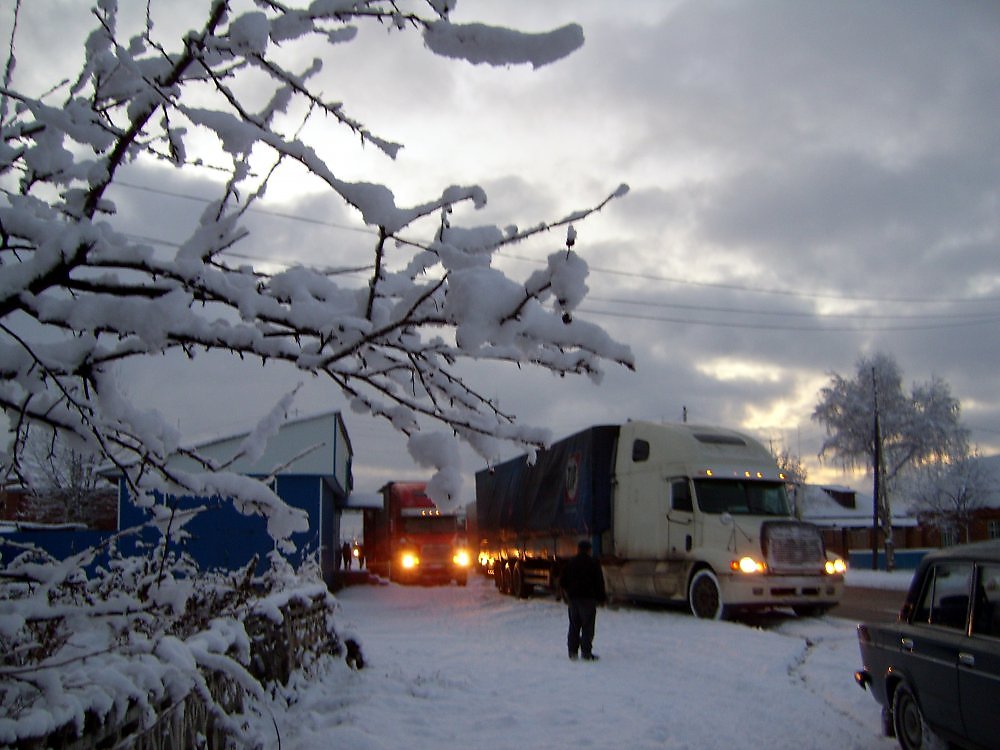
[747, 565]
[462, 558]
[409, 560]
[835, 567]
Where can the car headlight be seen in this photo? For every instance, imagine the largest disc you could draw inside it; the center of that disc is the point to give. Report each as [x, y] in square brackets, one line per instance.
[835, 567]
[409, 560]
[462, 558]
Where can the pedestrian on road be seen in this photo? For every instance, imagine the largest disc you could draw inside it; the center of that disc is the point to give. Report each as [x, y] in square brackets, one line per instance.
[345, 553]
[582, 585]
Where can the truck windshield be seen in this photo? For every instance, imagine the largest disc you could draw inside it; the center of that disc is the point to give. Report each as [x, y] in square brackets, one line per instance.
[741, 497]
[430, 525]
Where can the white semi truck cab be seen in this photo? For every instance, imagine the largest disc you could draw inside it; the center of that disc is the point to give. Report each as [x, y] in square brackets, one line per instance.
[701, 513]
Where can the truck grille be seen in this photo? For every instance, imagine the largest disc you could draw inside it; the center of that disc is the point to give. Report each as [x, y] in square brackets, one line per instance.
[791, 547]
[436, 553]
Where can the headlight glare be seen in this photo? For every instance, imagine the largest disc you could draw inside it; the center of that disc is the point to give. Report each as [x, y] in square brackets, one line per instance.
[836, 567]
[747, 565]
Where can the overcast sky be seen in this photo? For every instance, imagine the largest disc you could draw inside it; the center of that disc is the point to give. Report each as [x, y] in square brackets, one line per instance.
[810, 182]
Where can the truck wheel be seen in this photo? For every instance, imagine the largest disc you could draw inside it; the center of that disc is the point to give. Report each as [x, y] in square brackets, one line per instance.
[518, 587]
[705, 597]
[912, 731]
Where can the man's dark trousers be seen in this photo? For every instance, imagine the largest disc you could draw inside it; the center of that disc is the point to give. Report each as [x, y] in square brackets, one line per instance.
[582, 615]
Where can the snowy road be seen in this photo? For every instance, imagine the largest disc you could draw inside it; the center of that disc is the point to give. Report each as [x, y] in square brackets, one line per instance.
[456, 667]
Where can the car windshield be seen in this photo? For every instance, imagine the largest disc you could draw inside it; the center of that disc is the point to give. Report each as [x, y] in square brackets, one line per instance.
[741, 497]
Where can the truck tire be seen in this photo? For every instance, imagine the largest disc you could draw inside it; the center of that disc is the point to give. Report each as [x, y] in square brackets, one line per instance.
[705, 596]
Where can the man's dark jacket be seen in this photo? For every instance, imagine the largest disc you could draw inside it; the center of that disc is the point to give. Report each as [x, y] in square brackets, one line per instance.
[582, 579]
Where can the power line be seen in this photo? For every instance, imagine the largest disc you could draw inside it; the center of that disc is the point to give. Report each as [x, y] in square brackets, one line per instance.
[264, 211]
[993, 320]
[781, 313]
[659, 277]
[760, 290]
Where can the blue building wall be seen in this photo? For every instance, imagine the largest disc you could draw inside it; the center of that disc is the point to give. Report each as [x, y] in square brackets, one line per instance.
[220, 537]
[905, 559]
[60, 543]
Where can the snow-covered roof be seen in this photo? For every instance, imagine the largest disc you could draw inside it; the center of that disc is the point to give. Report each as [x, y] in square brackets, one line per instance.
[315, 444]
[817, 505]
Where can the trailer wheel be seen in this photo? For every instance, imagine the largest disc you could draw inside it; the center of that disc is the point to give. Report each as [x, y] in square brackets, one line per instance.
[705, 596]
[503, 582]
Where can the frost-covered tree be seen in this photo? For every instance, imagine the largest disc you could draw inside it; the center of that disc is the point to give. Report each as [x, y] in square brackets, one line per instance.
[78, 297]
[947, 492]
[912, 427]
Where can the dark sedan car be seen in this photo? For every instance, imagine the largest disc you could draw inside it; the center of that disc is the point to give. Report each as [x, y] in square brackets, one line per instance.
[936, 670]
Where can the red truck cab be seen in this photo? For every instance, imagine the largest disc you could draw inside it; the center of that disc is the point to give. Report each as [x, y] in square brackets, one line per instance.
[410, 540]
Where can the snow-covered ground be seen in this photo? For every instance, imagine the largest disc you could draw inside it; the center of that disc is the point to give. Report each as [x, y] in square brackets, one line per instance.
[466, 667]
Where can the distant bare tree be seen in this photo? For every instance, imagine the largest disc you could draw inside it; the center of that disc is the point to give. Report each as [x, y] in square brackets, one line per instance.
[65, 485]
[947, 493]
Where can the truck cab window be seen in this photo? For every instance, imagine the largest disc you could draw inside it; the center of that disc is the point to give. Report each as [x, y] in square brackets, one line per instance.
[680, 494]
[640, 451]
[742, 497]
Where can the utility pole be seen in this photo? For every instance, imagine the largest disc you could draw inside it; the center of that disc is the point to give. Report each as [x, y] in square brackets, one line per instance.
[877, 461]
[881, 513]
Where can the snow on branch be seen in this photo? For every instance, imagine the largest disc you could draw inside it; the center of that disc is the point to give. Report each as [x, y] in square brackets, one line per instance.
[78, 296]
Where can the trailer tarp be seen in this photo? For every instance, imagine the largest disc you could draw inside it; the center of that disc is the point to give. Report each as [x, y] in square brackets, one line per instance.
[567, 490]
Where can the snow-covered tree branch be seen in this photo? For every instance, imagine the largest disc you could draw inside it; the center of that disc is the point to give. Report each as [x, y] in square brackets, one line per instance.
[78, 296]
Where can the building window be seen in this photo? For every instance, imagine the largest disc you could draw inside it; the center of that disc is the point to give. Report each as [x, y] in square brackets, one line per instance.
[993, 528]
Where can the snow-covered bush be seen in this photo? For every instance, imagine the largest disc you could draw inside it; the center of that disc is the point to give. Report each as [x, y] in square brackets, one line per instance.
[82, 646]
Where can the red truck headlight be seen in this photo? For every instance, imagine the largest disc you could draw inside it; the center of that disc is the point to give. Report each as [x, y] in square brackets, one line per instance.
[462, 558]
[409, 560]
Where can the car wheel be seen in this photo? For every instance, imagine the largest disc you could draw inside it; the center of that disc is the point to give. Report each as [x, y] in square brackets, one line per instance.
[912, 731]
[705, 596]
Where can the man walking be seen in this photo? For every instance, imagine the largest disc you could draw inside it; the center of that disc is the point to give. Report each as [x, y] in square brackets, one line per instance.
[582, 584]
